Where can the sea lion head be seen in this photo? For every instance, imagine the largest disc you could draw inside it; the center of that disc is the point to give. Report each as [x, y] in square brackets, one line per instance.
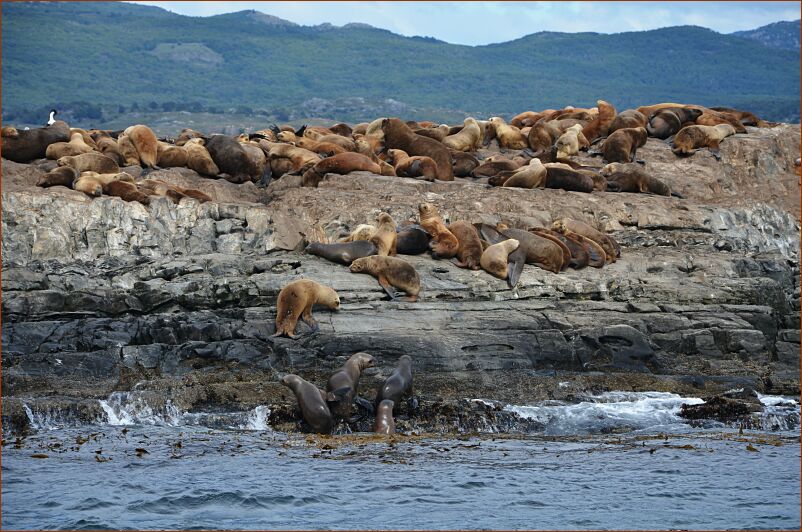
[558, 226]
[290, 380]
[365, 360]
[359, 265]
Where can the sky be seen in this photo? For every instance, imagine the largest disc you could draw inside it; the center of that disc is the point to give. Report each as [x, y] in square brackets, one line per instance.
[476, 23]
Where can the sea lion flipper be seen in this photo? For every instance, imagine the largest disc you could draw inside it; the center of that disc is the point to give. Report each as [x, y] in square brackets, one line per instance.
[388, 287]
[516, 259]
[364, 403]
[267, 175]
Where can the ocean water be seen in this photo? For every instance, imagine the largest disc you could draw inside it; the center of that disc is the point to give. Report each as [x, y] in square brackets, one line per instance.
[613, 461]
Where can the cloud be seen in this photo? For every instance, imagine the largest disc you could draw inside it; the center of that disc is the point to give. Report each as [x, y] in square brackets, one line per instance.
[476, 23]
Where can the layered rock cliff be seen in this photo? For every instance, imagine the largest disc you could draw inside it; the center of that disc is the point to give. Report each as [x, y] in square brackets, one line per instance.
[178, 301]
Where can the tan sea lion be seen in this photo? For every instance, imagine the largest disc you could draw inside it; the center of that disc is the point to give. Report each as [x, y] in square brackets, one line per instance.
[344, 383]
[94, 183]
[632, 178]
[444, 244]
[599, 126]
[437, 133]
[300, 158]
[169, 156]
[492, 167]
[509, 137]
[90, 162]
[341, 163]
[533, 175]
[362, 232]
[385, 236]
[627, 118]
[622, 145]
[384, 423]
[198, 158]
[109, 147]
[397, 135]
[187, 134]
[63, 175]
[76, 146]
[494, 258]
[418, 166]
[312, 401]
[583, 229]
[128, 151]
[296, 300]
[146, 144]
[469, 252]
[691, 138]
[570, 142]
[469, 137]
[390, 272]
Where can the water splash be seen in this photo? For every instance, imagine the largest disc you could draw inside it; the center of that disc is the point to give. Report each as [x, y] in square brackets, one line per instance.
[257, 418]
[779, 414]
[45, 420]
[133, 408]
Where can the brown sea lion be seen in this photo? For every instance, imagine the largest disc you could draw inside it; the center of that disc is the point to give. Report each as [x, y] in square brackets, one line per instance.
[444, 244]
[94, 183]
[494, 258]
[187, 134]
[385, 236]
[312, 401]
[744, 117]
[157, 187]
[710, 117]
[526, 119]
[583, 229]
[558, 177]
[398, 136]
[198, 158]
[109, 147]
[146, 144]
[63, 175]
[600, 126]
[296, 300]
[632, 178]
[667, 122]
[344, 383]
[341, 129]
[627, 118]
[342, 252]
[418, 166]
[412, 240]
[128, 151]
[622, 145]
[90, 162]
[300, 158]
[464, 163]
[494, 167]
[399, 384]
[76, 146]
[533, 175]
[550, 235]
[577, 250]
[545, 133]
[469, 137]
[384, 423]
[509, 137]
[234, 161]
[469, 252]
[437, 133]
[597, 258]
[691, 138]
[342, 163]
[390, 272]
[170, 156]
[31, 144]
[538, 250]
[126, 191]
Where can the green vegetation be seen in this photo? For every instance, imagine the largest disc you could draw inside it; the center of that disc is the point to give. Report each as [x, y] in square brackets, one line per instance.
[115, 58]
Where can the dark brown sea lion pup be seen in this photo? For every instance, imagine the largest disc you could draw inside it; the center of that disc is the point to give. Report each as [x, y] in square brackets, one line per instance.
[342, 252]
[32, 144]
[390, 272]
[444, 244]
[63, 175]
[469, 252]
[296, 300]
[312, 401]
[412, 240]
[627, 118]
[667, 122]
[399, 384]
[692, 138]
[342, 163]
[632, 178]
[417, 166]
[384, 423]
[622, 145]
[566, 179]
[126, 191]
[344, 383]
[463, 163]
[397, 135]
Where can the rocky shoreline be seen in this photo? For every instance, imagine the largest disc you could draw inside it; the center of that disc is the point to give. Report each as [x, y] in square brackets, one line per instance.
[178, 301]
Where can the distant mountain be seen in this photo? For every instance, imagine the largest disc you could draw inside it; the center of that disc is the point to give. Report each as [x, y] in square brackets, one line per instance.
[100, 59]
[783, 35]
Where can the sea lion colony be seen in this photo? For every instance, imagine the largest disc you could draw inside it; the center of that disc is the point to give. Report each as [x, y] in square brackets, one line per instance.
[536, 150]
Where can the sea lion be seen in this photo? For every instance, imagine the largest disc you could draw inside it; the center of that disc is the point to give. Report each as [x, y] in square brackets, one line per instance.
[128, 151]
[199, 159]
[76, 146]
[492, 168]
[9, 131]
[509, 137]
[90, 162]
[463, 163]
[494, 258]
[385, 236]
[170, 156]
[398, 135]
[558, 177]
[526, 119]
[545, 133]
[570, 142]
[622, 145]
[691, 138]
[600, 126]
[667, 122]
[85, 136]
[583, 229]
[312, 401]
[412, 240]
[94, 183]
[157, 187]
[126, 191]
[342, 252]
[384, 424]
[631, 178]
[744, 117]
[710, 117]
[627, 118]
[537, 249]
[390, 272]
[437, 133]
[146, 144]
[597, 258]
[444, 244]
[418, 166]
[578, 252]
[63, 175]
[233, 160]
[362, 232]
[550, 235]
[344, 383]
[533, 175]
[341, 163]
[109, 147]
[296, 299]
[300, 159]
[187, 134]
[469, 252]
[341, 129]
[399, 384]
[31, 144]
[469, 137]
